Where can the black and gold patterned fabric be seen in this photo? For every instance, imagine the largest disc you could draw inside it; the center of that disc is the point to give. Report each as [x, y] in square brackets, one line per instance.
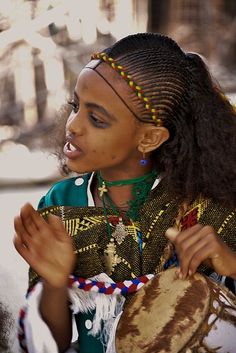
[97, 253]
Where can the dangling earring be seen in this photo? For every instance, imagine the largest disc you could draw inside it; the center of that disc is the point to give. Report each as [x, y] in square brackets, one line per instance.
[143, 161]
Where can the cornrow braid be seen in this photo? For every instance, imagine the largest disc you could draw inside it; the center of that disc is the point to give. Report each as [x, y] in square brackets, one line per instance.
[157, 66]
[134, 86]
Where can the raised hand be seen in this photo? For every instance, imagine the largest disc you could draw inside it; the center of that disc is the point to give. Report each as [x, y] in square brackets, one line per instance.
[46, 246]
[199, 244]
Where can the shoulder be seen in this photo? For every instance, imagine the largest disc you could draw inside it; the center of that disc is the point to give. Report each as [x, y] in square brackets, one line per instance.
[67, 192]
[215, 214]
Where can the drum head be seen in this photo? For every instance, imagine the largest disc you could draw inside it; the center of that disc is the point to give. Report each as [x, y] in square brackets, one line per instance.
[163, 315]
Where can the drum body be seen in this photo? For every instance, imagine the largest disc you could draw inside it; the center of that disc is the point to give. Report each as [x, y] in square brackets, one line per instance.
[172, 315]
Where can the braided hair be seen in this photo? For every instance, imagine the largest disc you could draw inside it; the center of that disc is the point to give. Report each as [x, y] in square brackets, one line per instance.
[199, 157]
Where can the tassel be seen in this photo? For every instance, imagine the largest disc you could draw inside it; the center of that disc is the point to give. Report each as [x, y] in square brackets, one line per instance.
[107, 309]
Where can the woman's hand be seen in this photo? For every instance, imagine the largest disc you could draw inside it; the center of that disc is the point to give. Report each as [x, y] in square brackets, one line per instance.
[46, 246]
[199, 244]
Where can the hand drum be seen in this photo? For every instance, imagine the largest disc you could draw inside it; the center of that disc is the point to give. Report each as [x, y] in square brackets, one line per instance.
[172, 315]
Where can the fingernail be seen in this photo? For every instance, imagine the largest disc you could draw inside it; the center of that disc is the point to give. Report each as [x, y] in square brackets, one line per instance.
[190, 272]
[171, 233]
[180, 275]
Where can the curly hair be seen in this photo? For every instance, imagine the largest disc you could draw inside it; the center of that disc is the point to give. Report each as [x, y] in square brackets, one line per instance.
[199, 157]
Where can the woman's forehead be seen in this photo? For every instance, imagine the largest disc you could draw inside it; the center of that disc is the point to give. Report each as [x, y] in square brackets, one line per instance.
[94, 89]
[126, 87]
[106, 72]
[101, 74]
[103, 77]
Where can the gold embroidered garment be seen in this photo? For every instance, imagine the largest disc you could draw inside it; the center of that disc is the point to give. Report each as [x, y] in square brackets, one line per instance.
[121, 258]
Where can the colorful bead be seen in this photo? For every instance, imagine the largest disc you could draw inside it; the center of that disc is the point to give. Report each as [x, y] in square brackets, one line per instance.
[143, 162]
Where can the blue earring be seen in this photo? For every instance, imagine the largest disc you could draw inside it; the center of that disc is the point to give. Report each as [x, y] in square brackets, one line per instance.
[143, 161]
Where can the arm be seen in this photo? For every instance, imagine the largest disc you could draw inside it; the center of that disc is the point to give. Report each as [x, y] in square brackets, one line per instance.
[199, 244]
[55, 312]
[48, 249]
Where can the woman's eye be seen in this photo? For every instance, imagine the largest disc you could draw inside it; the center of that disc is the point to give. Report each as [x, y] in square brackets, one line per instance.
[74, 105]
[97, 122]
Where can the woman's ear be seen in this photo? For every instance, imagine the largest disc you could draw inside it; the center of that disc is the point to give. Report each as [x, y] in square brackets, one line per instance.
[152, 138]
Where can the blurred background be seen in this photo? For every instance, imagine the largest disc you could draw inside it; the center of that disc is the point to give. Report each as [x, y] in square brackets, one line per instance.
[43, 46]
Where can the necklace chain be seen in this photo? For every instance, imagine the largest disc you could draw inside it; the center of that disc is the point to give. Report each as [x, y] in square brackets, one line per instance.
[140, 190]
[131, 181]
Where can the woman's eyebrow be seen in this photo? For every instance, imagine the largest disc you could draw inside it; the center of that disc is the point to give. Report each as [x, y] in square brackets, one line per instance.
[98, 107]
[101, 109]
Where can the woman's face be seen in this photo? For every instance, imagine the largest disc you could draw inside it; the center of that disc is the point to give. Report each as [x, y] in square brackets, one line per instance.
[102, 133]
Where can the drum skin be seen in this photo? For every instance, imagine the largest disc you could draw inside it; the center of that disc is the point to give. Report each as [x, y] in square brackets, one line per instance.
[167, 315]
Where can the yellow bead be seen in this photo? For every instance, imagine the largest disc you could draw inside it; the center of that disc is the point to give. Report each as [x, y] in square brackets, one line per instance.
[139, 95]
[145, 99]
[138, 88]
[131, 83]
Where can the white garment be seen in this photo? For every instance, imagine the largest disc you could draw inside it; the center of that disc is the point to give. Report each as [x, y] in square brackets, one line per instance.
[38, 336]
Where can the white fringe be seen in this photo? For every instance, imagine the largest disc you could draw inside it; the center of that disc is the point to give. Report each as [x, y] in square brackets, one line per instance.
[108, 309]
[111, 347]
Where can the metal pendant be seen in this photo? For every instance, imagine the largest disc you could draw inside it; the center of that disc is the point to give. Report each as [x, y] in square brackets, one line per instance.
[102, 189]
[111, 259]
[120, 233]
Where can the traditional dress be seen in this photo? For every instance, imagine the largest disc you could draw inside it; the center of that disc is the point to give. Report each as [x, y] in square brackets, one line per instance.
[109, 269]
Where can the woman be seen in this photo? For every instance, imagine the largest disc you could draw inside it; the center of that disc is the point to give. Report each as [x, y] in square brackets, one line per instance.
[155, 142]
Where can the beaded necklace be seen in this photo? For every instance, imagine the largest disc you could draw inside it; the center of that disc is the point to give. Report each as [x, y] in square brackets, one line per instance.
[140, 190]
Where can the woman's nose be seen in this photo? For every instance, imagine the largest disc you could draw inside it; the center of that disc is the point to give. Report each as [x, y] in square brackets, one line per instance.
[74, 124]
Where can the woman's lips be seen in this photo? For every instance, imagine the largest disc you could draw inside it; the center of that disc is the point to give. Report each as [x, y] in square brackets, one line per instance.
[72, 151]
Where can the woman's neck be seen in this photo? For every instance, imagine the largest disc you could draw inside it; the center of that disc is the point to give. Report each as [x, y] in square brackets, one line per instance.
[112, 174]
[120, 195]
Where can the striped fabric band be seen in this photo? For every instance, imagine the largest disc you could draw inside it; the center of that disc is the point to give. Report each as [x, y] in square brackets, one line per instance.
[125, 287]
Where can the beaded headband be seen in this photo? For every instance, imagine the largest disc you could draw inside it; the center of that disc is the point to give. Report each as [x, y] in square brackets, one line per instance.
[134, 86]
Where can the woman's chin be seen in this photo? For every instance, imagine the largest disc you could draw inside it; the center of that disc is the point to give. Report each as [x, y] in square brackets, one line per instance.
[78, 168]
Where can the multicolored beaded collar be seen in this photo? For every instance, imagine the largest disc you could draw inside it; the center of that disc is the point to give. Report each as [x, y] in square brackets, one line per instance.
[133, 85]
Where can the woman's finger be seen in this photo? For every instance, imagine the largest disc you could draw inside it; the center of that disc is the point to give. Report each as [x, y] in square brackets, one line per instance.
[187, 243]
[27, 253]
[28, 211]
[188, 233]
[193, 255]
[204, 253]
[21, 231]
[171, 234]
[20, 246]
[58, 226]
[29, 224]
